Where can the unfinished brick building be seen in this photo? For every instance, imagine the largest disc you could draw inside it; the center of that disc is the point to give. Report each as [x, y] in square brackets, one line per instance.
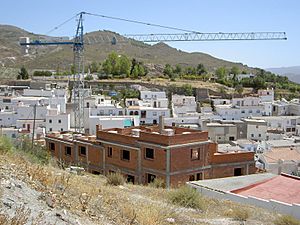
[174, 154]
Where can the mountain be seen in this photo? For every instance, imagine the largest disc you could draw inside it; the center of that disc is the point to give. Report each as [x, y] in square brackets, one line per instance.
[293, 72]
[98, 46]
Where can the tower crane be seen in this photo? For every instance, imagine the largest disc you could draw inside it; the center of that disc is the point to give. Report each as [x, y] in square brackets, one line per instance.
[188, 35]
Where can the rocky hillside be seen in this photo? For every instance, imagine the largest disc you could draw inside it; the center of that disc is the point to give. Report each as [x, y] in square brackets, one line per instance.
[39, 192]
[98, 46]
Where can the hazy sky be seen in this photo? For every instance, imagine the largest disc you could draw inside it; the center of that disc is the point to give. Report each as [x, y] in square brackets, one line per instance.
[203, 16]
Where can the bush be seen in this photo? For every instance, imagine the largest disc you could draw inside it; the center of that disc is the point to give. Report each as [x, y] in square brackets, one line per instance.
[158, 183]
[286, 220]
[115, 179]
[240, 214]
[187, 197]
[5, 145]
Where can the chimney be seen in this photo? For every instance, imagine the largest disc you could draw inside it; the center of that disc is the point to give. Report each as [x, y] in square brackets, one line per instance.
[161, 124]
[98, 127]
[280, 162]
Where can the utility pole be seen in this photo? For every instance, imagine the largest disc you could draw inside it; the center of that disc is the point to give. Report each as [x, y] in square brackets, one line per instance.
[33, 129]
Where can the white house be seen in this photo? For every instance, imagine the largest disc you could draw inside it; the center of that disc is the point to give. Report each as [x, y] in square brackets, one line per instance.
[266, 95]
[147, 95]
[57, 121]
[183, 105]
[256, 129]
[107, 122]
[242, 76]
[286, 124]
[8, 118]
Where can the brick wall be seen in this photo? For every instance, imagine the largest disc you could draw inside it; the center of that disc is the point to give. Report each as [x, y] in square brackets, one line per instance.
[116, 157]
[159, 161]
[181, 158]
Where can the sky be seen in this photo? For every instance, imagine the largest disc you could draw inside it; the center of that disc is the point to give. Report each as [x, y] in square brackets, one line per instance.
[198, 15]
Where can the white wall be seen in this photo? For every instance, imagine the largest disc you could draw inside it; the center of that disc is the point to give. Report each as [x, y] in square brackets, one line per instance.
[59, 122]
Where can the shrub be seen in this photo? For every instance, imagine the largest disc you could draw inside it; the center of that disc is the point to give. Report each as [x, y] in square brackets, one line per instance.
[240, 214]
[187, 197]
[5, 145]
[286, 220]
[115, 179]
[158, 183]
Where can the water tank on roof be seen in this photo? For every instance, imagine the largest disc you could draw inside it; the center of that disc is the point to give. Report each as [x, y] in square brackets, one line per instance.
[168, 132]
[135, 132]
[113, 131]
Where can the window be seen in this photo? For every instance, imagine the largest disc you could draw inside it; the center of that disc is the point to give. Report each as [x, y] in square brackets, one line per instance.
[238, 171]
[154, 113]
[50, 121]
[68, 150]
[59, 121]
[192, 177]
[52, 146]
[109, 152]
[149, 153]
[199, 176]
[195, 154]
[61, 129]
[258, 111]
[24, 125]
[82, 150]
[130, 179]
[50, 129]
[252, 135]
[259, 135]
[243, 111]
[150, 177]
[125, 155]
[231, 138]
[250, 111]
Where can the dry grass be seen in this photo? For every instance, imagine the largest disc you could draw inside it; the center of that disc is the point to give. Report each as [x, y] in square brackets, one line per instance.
[115, 179]
[286, 220]
[89, 197]
[187, 197]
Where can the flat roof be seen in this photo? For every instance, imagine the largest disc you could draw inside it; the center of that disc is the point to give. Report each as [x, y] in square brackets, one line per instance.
[232, 183]
[284, 188]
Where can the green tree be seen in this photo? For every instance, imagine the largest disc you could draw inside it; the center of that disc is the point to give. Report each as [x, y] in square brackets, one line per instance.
[178, 69]
[94, 67]
[221, 73]
[168, 70]
[125, 65]
[201, 69]
[187, 89]
[135, 72]
[235, 70]
[23, 74]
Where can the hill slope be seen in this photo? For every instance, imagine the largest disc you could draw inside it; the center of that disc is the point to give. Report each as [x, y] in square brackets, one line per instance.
[293, 72]
[35, 193]
[97, 48]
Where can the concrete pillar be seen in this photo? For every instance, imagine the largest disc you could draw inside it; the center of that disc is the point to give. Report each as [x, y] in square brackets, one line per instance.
[60, 152]
[168, 167]
[75, 147]
[139, 164]
[161, 124]
[247, 169]
[103, 159]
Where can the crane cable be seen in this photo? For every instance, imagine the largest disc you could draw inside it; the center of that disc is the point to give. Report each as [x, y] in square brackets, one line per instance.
[140, 22]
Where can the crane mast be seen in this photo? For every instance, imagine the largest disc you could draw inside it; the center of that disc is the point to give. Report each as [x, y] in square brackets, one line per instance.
[78, 77]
